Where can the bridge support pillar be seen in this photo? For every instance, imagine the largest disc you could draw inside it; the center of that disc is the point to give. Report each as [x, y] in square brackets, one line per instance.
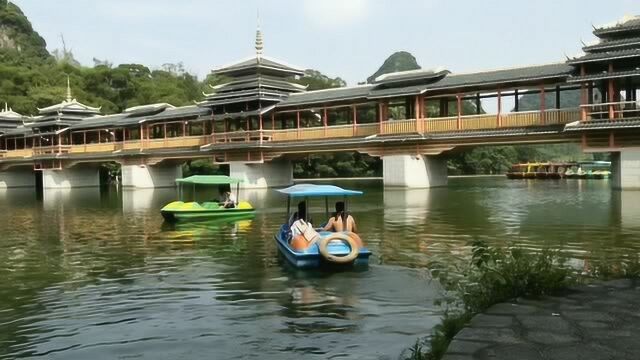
[151, 176]
[411, 171]
[260, 176]
[17, 177]
[625, 169]
[74, 177]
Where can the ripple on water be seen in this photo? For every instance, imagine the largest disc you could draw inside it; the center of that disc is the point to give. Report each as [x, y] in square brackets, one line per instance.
[107, 279]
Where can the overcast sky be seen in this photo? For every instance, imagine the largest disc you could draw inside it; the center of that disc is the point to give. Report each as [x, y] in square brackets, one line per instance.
[346, 38]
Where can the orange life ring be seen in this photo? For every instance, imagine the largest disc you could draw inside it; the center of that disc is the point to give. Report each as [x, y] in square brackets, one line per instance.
[323, 247]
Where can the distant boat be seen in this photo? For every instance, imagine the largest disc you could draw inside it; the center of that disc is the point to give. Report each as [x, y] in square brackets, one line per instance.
[546, 170]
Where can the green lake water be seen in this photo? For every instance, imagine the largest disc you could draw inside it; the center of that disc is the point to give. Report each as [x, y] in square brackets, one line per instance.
[96, 274]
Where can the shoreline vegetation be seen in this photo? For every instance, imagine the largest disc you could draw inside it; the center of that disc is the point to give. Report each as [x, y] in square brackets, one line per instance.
[494, 275]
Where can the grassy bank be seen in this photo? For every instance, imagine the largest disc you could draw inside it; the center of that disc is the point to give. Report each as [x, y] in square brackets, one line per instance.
[494, 275]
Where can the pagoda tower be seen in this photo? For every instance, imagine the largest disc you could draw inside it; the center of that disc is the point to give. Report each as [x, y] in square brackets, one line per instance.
[255, 85]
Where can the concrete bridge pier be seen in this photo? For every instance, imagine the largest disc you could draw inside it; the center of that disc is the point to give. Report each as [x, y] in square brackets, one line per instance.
[625, 169]
[151, 176]
[17, 177]
[73, 177]
[414, 171]
[277, 173]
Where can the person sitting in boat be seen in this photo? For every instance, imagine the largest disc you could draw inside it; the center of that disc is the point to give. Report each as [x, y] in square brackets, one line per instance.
[341, 221]
[300, 214]
[303, 234]
[227, 199]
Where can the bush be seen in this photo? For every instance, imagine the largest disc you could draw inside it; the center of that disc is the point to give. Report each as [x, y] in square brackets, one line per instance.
[490, 276]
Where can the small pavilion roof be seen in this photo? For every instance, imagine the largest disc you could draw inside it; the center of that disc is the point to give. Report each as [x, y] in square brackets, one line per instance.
[70, 106]
[127, 119]
[9, 115]
[409, 77]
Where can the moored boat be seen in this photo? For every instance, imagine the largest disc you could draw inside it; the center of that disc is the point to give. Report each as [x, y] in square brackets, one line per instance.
[181, 210]
[320, 247]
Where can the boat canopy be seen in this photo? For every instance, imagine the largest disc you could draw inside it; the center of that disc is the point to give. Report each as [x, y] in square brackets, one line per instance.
[305, 190]
[209, 180]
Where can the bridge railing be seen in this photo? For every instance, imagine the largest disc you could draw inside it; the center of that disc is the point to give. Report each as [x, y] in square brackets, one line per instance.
[19, 153]
[429, 125]
[612, 110]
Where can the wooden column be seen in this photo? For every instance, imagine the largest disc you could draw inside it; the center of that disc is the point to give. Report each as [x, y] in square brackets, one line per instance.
[516, 107]
[478, 104]
[499, 116]
[558, 97]
[611, 92]
[459, 110]
[543, 105]
[298, 122]
[324, 120]
[273, 120]
[84, 138]
[184, 128]
[354, 110]
[584, 100]
[380, 116]
[260, 127]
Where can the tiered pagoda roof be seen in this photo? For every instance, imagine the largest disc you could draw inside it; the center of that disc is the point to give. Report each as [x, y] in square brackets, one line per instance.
[617, 41]
[10, 119]
[259, 80]
[66, 113]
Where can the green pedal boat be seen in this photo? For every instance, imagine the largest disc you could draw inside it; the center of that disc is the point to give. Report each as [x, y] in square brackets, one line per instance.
[181, 210]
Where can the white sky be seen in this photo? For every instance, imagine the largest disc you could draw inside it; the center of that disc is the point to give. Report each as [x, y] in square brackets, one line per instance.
[346, 38]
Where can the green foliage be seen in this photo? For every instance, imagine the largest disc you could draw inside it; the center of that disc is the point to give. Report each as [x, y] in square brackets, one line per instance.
[490, 276]
[398, 61]
[343, 164]
[18, 41]
[315, 80]
[203, 167]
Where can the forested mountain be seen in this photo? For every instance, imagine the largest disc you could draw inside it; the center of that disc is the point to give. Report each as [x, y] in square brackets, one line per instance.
[398, 61]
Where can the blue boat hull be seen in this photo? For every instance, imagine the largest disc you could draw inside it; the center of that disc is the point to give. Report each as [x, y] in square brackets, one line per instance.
[311, 257]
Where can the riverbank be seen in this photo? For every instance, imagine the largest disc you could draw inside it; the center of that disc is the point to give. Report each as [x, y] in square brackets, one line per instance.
[596, 321]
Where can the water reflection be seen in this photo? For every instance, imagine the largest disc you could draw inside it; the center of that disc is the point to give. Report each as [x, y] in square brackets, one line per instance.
[96, 273]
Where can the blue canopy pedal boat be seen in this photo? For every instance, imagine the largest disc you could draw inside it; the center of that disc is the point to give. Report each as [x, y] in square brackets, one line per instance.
[321, 247]
[193, 210]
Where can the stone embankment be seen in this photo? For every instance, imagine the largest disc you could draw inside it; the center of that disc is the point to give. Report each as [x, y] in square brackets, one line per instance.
[591, 322]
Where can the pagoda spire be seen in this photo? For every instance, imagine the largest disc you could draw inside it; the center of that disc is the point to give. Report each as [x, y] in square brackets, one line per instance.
[68, 89]
[259, 41]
